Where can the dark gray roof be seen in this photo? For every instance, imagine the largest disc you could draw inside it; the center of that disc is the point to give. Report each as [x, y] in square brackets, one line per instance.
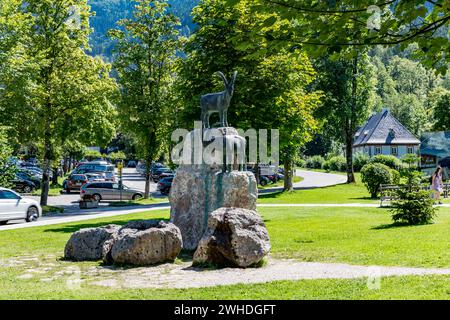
[384, 128]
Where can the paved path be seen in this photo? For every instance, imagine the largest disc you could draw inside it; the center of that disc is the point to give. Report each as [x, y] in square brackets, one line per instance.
[312, 180]
[185, 276]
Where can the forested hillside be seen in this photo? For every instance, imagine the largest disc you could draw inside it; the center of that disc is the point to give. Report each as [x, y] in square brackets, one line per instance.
[108, 12]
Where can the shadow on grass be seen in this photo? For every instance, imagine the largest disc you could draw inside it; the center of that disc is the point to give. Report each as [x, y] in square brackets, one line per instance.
[77, 226]
[396, 225]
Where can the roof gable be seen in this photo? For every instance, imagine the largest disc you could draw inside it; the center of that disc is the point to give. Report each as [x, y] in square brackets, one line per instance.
[384, 128]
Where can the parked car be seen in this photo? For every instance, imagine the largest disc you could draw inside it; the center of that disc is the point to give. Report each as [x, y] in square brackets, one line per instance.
[75, 182]
[264, 180]
[13, 206]
[23, 175]
[23, 185]
[164, 185]
[109, 191]
[157, 172]
[96, 177]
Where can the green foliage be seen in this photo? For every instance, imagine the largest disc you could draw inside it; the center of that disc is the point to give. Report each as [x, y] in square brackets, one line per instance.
[442, 113]
[321, 27]
[92, 154]
[413, 207]
[108, 12]
[301, 163]
[411, 169]
[116, 156]
[272, 91]
[375, 174]
[315, 162]
[337, 163]
[360, 159]
[395, 176]
[388, 160]
[64, 93]
[7, 170]
[146, 49]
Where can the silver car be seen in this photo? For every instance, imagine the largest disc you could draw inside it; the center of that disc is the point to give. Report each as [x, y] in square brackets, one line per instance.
[110, 191]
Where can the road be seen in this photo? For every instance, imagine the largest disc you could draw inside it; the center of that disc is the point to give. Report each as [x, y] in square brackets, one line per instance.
[72, 213]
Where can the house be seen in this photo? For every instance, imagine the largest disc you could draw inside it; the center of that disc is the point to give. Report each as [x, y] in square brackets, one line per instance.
[435, 150]
[384, 134]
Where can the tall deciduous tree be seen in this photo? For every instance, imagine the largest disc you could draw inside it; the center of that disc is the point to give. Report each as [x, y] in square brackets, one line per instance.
[347, 84]
[66, 86]
[442, 113]
[270, 91]
[145, 54]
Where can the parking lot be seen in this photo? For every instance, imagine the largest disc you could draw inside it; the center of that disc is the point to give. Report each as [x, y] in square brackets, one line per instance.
[131, 179]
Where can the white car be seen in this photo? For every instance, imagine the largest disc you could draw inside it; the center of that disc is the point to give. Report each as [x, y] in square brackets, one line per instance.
[14, 207]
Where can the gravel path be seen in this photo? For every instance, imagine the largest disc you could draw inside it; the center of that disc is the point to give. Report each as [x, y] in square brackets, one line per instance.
[184, 276]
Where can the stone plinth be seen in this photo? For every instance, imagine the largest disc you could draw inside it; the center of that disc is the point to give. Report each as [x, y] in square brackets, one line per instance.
[199, 190]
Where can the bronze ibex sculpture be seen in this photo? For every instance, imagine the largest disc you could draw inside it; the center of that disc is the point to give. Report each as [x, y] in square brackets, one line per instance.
[218, 102]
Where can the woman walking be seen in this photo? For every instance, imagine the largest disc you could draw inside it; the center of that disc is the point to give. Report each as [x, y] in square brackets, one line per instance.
[436, 184]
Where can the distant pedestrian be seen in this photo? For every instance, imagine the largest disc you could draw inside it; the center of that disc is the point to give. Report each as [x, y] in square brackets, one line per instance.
[437, 185]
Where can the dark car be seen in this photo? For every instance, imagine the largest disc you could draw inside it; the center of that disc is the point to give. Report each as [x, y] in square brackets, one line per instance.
[164, 185]
[23, 185]
[75, 182]
[158, 172]
[264, 181]
[24, 175]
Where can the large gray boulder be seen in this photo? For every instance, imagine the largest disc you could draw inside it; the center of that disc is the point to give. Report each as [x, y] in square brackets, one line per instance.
[87, 244]
[235, 237]
[144, 243]
[199, 190]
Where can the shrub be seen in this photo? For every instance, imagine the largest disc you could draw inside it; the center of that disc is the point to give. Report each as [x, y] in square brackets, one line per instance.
[326, 165]
[360, 159]
[337, 163]
[375, 174]
[315, 162]
[301, 163]
[390, 161]
[413, 207]
[395, 176]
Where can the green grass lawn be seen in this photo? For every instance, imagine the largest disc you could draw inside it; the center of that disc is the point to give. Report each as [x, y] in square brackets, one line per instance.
[342, 193]
[140, 202]
[344, 235]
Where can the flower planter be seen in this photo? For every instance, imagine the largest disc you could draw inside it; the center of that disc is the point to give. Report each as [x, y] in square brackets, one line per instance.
[88, 204]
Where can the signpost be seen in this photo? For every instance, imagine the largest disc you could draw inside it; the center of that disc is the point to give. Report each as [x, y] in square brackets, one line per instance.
[120, 169]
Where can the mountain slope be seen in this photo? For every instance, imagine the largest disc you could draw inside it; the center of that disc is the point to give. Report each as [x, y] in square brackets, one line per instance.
[108, 12]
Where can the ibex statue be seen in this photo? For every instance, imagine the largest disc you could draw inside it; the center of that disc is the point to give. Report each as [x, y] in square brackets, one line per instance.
[218, 102]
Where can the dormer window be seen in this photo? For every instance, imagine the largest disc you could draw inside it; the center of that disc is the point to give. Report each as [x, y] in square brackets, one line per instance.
[391, 133]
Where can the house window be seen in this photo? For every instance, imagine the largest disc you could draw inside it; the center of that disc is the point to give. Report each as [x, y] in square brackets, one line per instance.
[410, 150]
[394, 151]
[377, 150]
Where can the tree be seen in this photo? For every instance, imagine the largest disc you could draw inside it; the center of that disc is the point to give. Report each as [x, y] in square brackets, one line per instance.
[7, 170]
[348, 92]
[66, 88]
[321, 26]
[144, 58]
[271, 90]
[442, 113]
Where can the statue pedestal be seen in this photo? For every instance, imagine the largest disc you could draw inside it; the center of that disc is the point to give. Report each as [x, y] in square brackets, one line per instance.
[199, 190]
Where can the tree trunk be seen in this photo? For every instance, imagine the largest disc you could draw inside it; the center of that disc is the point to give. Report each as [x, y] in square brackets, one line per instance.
[351, 128]
[148, 176]
[55, 176]
[288, 174]
[46, 170]
[349, 157]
